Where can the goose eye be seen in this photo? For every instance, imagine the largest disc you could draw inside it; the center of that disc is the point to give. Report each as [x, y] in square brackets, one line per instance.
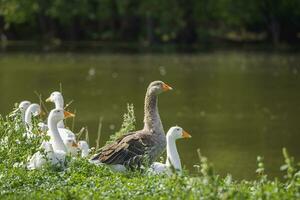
[177, 129]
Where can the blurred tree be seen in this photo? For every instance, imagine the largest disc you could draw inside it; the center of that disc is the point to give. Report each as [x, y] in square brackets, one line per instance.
[151, 21]
[163, 19]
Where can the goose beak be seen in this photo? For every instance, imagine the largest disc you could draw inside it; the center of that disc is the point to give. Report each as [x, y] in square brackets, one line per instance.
[74, 144]
[16, 110]
[185, 134]
[48, 99]
[166, 87]
[68, 114]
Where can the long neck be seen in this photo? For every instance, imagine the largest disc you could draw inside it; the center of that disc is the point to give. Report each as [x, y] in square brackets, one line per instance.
[28, 116]
[151, 115]
[59, 104]
[57, 142]
[23, 116]
[172, 154]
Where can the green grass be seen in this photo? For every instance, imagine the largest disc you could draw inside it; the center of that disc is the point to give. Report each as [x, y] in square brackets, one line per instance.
[82, 180]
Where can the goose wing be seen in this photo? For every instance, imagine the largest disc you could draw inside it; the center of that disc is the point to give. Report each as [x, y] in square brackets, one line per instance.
[129, 150]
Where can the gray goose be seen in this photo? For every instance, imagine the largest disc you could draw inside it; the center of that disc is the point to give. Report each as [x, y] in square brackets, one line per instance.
[135, 148]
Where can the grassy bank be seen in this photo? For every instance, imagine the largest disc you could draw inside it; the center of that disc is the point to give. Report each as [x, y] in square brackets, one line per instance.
[82, 180]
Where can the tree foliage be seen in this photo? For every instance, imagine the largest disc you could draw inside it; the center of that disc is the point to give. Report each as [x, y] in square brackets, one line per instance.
[169, 21]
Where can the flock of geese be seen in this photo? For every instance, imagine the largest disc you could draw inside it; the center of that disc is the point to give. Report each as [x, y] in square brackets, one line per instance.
[130, 151]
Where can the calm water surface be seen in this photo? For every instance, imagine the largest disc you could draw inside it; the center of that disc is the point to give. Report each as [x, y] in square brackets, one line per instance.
[236, 105]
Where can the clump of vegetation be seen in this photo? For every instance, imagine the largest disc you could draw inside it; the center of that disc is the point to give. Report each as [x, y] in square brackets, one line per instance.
[83, 180]
[14, 147]
[128, 124]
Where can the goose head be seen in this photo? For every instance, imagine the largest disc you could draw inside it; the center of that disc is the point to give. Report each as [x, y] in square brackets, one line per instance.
[34, 109]
[83, 145]
[177, 132]
[58, 114]
[57, 98]
[70, 143]
[157, 87]
[24, 105]
[21, 108]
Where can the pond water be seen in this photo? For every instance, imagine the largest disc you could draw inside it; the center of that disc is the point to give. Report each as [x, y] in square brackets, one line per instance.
[236, 105]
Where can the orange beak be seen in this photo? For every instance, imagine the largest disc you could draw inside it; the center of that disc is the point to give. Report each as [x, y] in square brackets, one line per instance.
[74, 144]
[185, 134]
[68, 114]
[166, 87]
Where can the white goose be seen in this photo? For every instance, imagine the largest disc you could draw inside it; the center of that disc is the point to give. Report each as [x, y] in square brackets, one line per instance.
[22, 108]
[55, 150]
[74, 149]
[84, 148]
[66, 134]
[56, 140]
[47, 154]
[58, 100]
[173, 160]
[32, 111]
[71, 145]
